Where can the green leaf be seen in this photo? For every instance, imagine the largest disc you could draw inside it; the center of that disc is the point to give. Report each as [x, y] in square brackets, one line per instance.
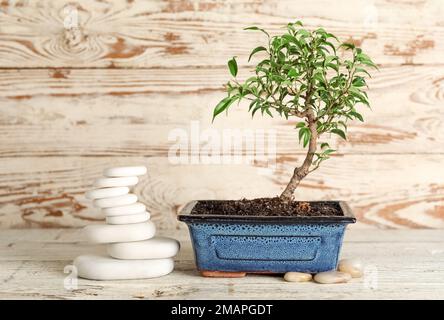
[303, 33]
[307, 138]
[255, 109]
[333, 66]
[292, 73]
[357, 115]
[359, 82]
[304, 135]
[265, 62]
[339, 132]
[362, 56]
[359, 96]
[281, 57]
[330, 59]
[256, 50]
[348, 46]
[277, 78]
[254, 28]
[321, 31]
[323, 51]
[291, 39]
[251, 80]
[232, 65]
[365, 60]
[252, 104]
[223, 105]
[285, 113]
[300, 125]
[370, 64]
[330, 35]
[301, 133]
[343, 124]
[319, 76]
[330, 45]
[362, 70]
[328, 151]
[324, 145]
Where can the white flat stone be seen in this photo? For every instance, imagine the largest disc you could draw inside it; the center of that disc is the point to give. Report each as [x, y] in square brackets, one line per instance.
[353, 267]
[297, 277]
[106, 192]
[116, 182]
[135, 208]
[118, 201]
[106, 233]
[329, 277]
[125, 171]
[154, 248]
[97, 267]
[128, 219]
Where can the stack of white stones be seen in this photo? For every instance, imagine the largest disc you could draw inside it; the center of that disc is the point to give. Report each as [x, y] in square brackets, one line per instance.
[133, 250]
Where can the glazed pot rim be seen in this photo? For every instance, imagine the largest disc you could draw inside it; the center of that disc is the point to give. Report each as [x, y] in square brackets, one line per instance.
[346, 217]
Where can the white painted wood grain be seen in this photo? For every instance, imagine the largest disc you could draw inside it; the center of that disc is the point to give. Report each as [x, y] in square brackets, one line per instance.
[133, 112]
[173, 33]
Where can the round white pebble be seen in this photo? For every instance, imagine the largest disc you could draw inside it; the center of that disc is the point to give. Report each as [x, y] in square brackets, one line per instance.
[118, 201]
[154, 248]
[116, 182]
[106, 233]
[297, 277]
[329, 277]
[98, 267]
[128, 219]
[106, 193]
[125, 171]
[134, 208]
[353, 267]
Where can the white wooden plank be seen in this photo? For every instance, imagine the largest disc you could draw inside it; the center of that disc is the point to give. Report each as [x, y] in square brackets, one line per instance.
[127, 112]
[398, 267]
[50, 193]
[194, 33]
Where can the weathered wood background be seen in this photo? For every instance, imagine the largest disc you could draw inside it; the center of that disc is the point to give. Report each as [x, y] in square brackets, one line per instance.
[89, 84]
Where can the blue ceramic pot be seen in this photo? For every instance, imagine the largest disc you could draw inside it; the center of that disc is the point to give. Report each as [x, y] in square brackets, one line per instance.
[234, 245]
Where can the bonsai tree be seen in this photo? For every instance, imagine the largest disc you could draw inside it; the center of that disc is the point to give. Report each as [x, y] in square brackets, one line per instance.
[310, 76]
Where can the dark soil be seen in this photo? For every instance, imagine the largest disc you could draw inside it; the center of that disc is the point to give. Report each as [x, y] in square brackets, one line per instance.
[267, 207]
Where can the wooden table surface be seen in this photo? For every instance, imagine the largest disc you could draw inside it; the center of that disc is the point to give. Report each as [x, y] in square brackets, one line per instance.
[400, 264]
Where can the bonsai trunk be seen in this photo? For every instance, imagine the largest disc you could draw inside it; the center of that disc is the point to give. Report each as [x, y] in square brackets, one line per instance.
[300, 172]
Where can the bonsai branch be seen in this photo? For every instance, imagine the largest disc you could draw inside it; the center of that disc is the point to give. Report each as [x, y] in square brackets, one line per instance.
[299, 173]
[300, 114]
